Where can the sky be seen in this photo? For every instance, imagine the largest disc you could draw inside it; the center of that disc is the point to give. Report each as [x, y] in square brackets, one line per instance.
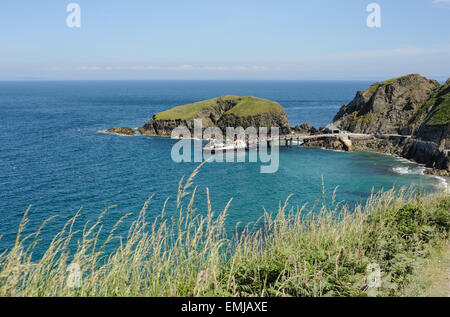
[223, 39]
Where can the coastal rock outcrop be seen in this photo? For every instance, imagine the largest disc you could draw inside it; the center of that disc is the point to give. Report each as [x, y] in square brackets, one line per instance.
[122, 131]
[339, 142]
[408, 116]
[431, 142]
[304, 128]
[389, 107]
[222, 112]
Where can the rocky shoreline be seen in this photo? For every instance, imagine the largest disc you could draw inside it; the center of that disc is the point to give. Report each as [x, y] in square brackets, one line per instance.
[122, 131]
[407, 116]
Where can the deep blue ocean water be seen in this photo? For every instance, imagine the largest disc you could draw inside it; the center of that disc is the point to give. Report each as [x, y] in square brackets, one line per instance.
[53, 156]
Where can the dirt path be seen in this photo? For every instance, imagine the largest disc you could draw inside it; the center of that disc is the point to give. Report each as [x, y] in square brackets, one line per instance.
[433, 278]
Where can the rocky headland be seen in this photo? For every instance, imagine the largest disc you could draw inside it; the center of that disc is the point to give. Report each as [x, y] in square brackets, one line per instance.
[222, 112]
[407, 116]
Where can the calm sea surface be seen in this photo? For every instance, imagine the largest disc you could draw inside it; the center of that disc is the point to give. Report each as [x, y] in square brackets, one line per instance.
[53, 157]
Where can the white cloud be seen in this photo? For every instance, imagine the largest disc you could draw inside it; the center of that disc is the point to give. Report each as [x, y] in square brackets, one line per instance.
[442, 3]
[186, 67]
[369, 54]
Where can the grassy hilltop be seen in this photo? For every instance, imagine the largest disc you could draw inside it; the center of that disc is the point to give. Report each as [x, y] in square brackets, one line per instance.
[240, 106]
[222, 112]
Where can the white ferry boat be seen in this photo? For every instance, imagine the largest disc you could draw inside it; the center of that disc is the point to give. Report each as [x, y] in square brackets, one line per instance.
[217, 146]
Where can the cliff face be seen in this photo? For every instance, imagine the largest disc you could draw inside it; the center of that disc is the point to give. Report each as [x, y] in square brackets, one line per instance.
[409, 105]
[434, 117]
[388, 107]
[431, 143]
[223, 112]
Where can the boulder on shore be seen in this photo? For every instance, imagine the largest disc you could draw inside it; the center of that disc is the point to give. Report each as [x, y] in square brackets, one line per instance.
[122, 131]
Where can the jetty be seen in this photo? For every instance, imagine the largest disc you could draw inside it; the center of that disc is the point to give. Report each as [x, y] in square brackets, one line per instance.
[290, 139]
[343, 140]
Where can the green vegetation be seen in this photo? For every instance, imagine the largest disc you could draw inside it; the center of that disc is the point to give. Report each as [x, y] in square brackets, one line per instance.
[365, 119]
[441, 115]
[187, 112]
[369, 92]
[440, 99]
[431, 278]
[441, 112]
[250, 106]
[324, 250]
[243, 106]
[393, 80]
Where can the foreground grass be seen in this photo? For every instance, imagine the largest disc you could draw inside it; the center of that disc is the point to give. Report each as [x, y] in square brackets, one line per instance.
[323, 251]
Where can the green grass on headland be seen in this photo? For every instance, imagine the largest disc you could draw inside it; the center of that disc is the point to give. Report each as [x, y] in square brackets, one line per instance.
[440, 100]
[250, 106]
[442, 114]
[244, 106]
[186, 112]
[369, 92]
[323, 250]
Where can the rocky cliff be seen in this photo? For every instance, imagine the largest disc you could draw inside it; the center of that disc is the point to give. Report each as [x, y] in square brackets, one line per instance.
[431, 143]
[389, 107]
[412, 106]
[433, 118]
[225, 111]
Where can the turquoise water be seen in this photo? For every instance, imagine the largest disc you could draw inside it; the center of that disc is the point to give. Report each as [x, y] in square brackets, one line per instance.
[54, 158]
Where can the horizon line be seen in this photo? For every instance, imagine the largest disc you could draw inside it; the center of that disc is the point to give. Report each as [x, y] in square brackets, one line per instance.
[438, 78]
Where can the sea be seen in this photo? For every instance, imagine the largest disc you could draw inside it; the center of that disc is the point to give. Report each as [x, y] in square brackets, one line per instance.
[55, 158]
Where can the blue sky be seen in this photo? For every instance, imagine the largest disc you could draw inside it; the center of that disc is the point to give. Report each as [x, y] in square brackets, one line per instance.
[215, 39]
